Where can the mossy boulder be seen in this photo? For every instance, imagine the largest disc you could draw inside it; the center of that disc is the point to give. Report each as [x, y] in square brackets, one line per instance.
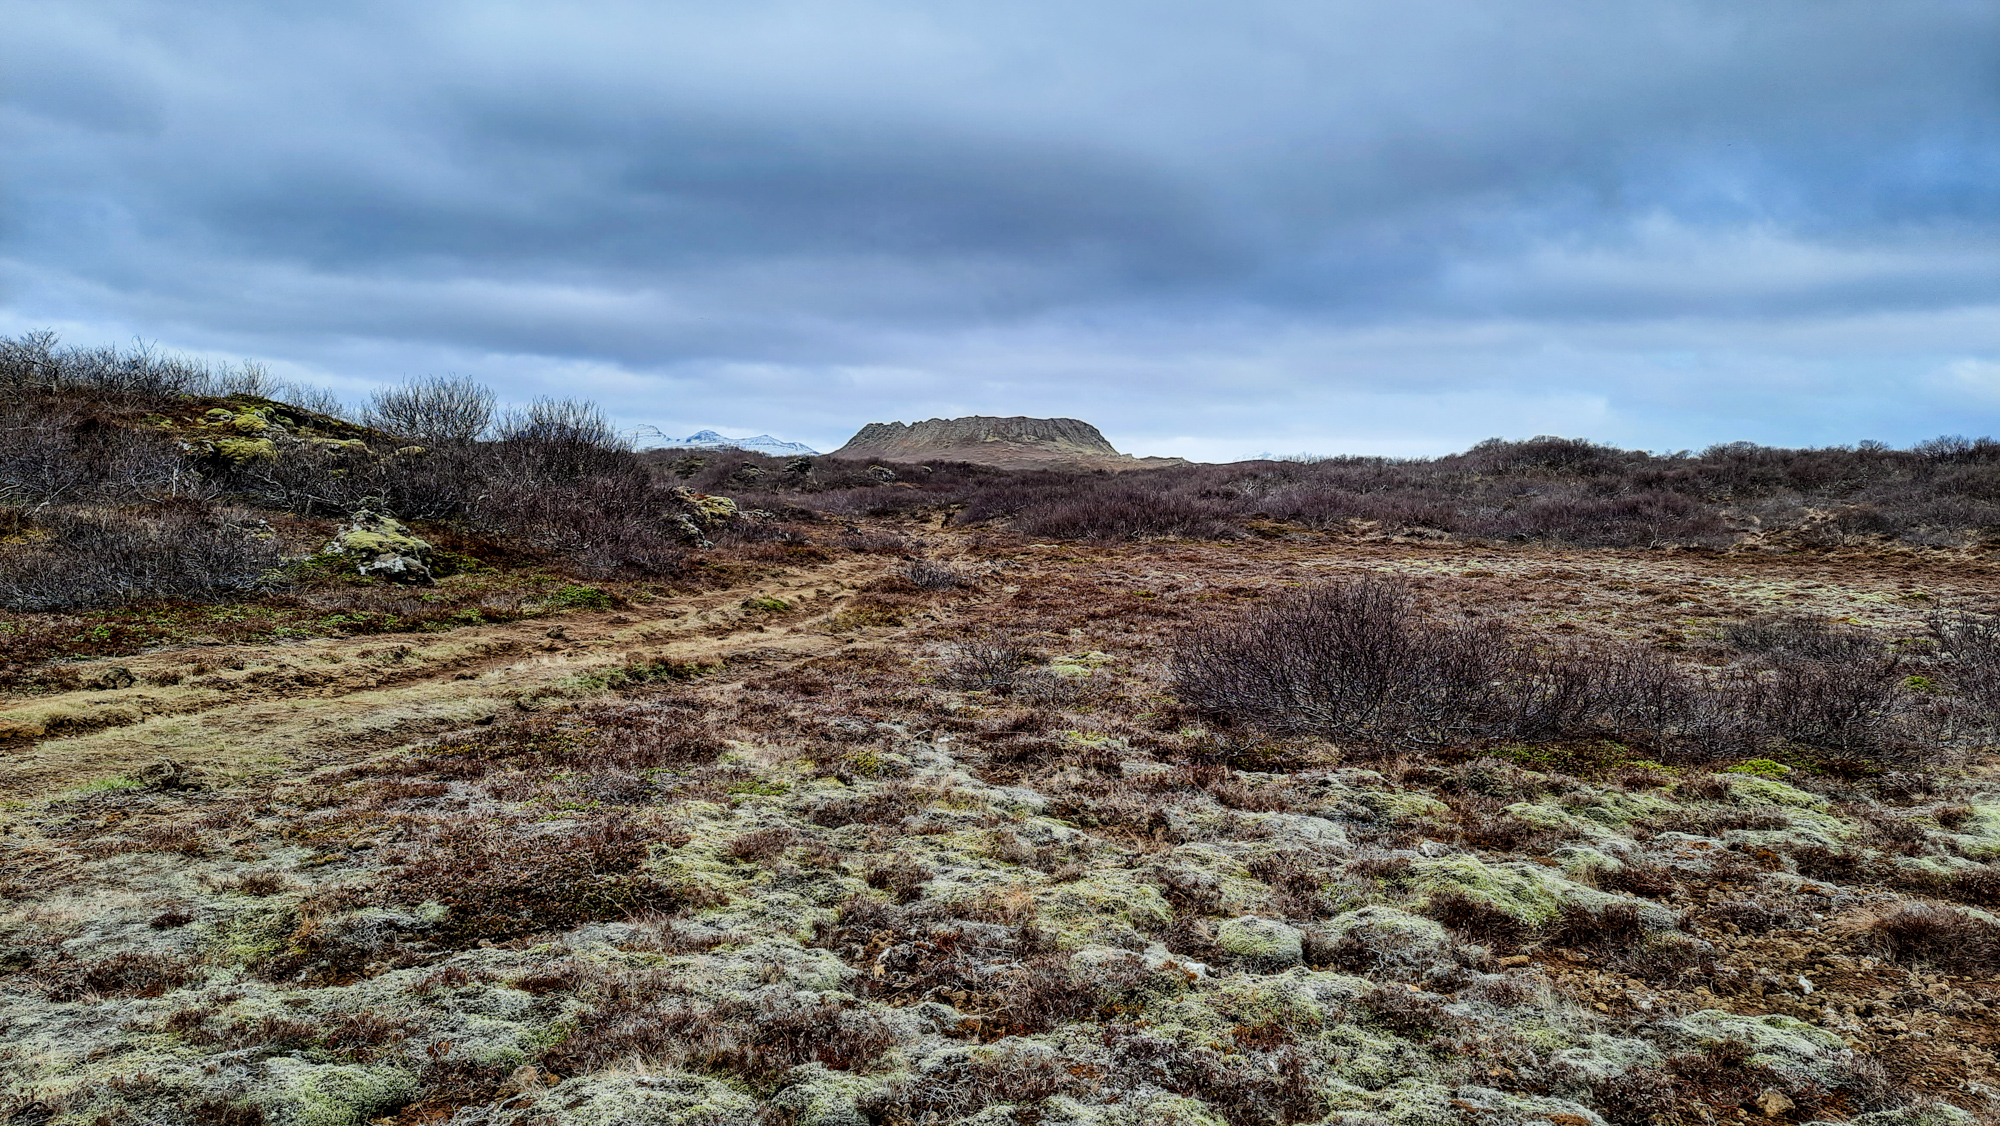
[243, 450]
[705, 510]
[380, 546]
[660, 1099]
[1379, 938]
[296, 1093]
[1417, 1103]
[1786, 1045]
[1262, 944]
[1106, 905]
[818, 1096]
[1754, 789]
[1528, 893]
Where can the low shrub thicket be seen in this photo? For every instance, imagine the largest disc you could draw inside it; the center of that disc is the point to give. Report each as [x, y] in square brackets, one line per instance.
[108, 457]
[1360, 661]
[1941, 493]
[187, 550]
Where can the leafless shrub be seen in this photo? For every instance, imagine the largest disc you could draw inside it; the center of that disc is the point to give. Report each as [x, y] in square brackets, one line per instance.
[183, 550]
[1809, 638]
[122, 975]
[761, 845]
[991, 664]
[902, 877]
[1351, 658]
[59, 452]
[1932, 932]
[1359, 661]
[560, 439]
[502, 880]
[1970, 645]
[931, 574]
[437, 410]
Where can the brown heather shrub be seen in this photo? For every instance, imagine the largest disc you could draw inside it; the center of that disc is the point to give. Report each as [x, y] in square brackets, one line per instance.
[1476, 919]
[1752, 916]
[177, 916]
[1652, 881]
[659, 731]
[964, 1087]
[757, 1040]
[1006, 978]
[120, 975]
[1298, 886]
[1952, 815]
[1944, 936]
[217, 1111]
[1253, 1089]
[902, 877]
[503, 879]
[760, 846]
[181, 549]
[1833, 865]
[1359, 661]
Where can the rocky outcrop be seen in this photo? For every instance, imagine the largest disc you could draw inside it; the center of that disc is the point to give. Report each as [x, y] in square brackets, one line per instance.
[382, 547]
[1009, 443]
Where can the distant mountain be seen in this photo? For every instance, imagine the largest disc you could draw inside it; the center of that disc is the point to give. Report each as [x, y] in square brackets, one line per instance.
[651, 438]
[1009, 443]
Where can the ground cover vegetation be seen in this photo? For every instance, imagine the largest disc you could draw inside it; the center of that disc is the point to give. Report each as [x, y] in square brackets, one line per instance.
[893, 809]
[1942, 493]
[147, 498]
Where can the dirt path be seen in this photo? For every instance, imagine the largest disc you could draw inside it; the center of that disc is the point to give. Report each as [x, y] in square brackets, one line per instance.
[237, 712]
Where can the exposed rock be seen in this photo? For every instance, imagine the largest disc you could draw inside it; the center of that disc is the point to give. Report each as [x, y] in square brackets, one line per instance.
[1773, 1103]
[118, 676]
[1010, 443]
[706, 510]
[382, 547]
[169, 775]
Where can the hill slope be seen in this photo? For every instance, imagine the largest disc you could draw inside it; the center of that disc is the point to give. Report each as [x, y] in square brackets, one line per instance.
[1009, 443]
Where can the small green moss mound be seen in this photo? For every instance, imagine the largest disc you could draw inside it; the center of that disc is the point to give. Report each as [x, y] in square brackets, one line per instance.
[1762, 767]
[576, 596]
[241, 450]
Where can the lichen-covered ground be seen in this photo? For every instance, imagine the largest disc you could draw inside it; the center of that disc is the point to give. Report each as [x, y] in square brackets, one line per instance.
[792, 854]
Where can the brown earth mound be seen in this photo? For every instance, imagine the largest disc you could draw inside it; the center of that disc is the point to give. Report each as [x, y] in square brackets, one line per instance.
[1010, 443]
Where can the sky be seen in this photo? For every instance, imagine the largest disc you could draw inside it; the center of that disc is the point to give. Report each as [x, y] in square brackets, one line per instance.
[1212, 229]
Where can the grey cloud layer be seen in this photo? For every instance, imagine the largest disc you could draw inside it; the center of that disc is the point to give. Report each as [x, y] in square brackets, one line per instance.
[1390, 225]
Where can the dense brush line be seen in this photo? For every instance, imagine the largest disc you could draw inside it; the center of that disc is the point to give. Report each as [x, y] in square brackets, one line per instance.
[1361, 661]
[1942, 493]
[111, 492]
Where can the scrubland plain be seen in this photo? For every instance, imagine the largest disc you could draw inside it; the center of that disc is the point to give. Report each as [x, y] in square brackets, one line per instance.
[928, 793]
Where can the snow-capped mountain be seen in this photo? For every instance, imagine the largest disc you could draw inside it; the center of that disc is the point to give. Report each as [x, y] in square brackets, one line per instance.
[651, 438]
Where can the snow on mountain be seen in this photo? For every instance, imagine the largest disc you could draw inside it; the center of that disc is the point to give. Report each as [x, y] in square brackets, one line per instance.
[651, 438]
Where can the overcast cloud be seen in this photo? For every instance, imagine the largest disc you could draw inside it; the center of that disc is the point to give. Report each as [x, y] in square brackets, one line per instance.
[1213, 229]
